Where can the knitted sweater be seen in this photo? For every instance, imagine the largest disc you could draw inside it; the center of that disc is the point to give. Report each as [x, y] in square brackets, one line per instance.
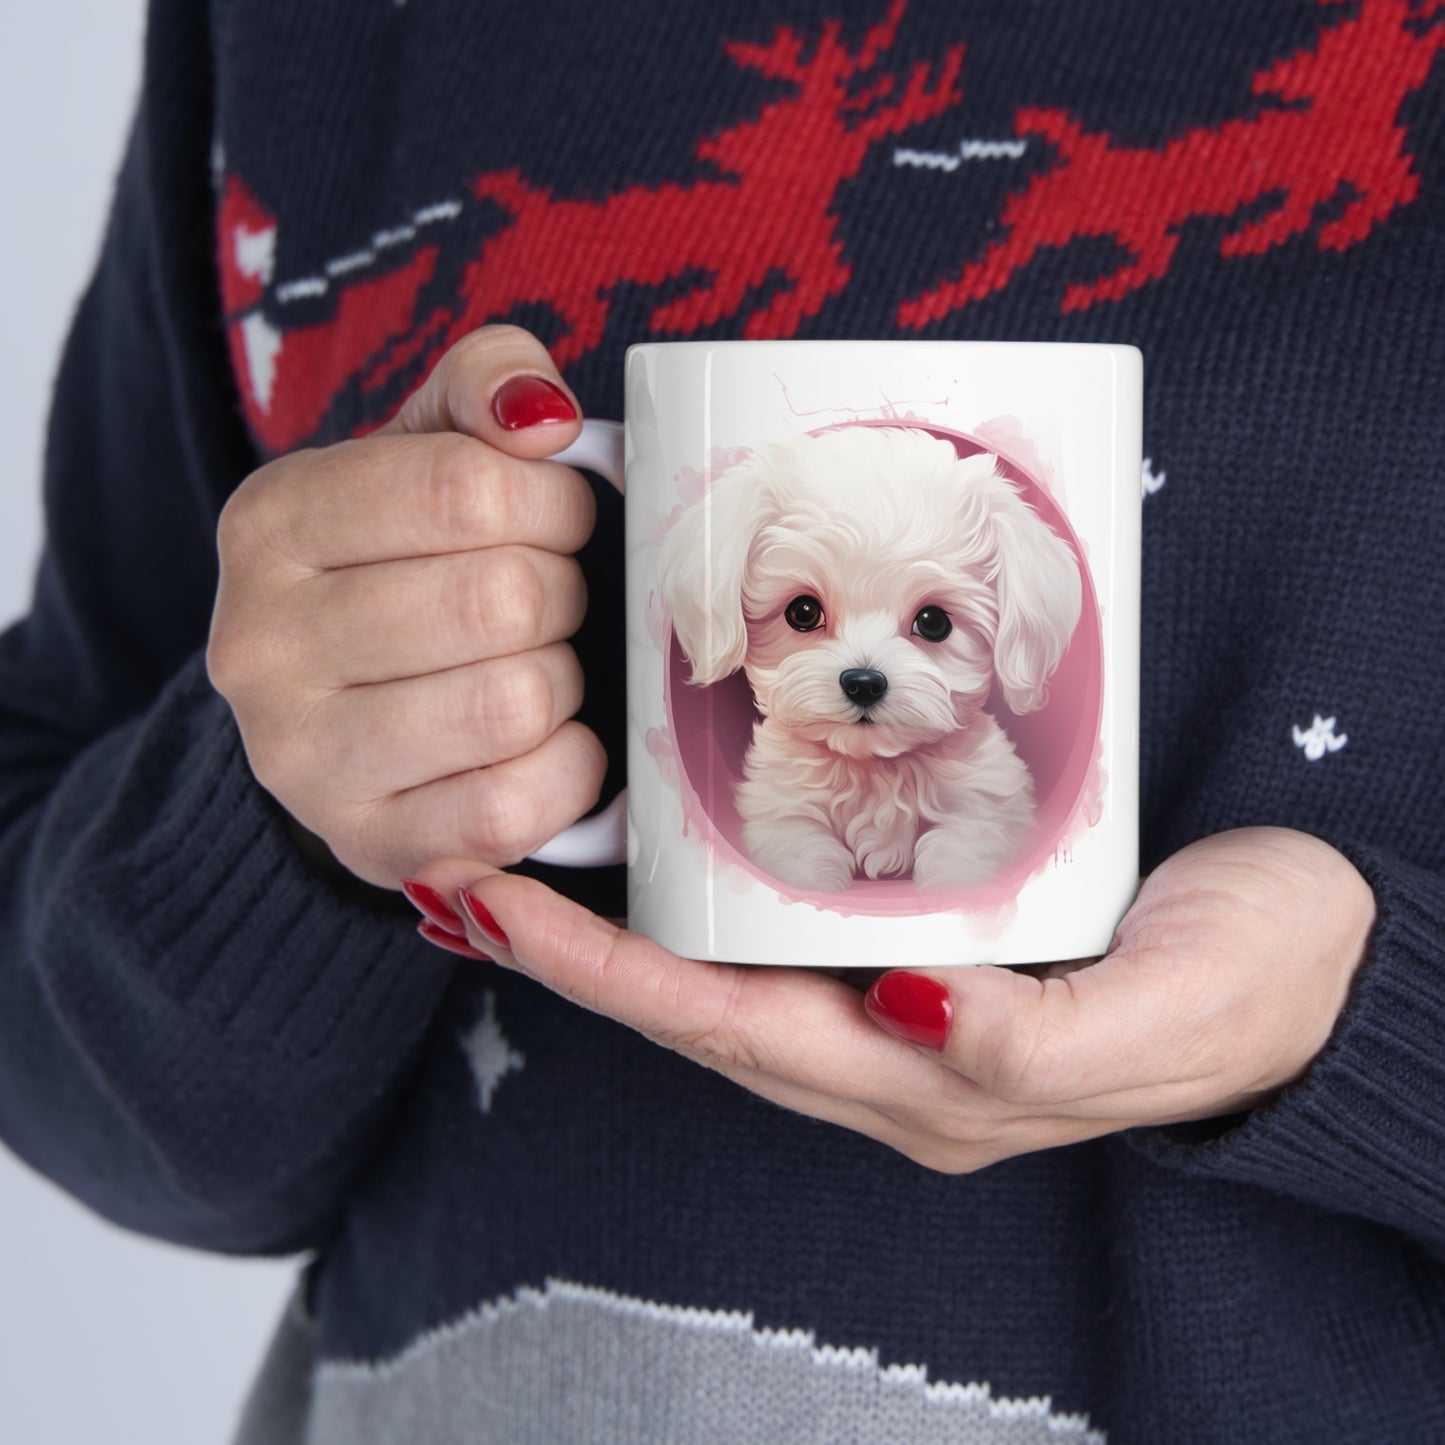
[527, 1223]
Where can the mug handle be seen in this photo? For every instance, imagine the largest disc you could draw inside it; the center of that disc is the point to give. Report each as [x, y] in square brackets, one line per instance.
[601, 839]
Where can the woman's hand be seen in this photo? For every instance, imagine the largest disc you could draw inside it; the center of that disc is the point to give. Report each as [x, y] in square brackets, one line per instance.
[391, 620]
[1223, 982]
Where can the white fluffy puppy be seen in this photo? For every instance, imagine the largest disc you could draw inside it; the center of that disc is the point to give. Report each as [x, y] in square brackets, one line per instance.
[873, 584]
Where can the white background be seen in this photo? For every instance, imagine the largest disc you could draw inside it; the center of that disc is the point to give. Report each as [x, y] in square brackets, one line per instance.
[103, 1336]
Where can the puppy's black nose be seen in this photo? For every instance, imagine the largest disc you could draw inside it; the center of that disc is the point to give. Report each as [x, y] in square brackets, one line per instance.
[862, 685]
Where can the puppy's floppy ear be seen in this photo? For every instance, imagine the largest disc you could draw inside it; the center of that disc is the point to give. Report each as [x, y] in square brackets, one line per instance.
[1039, 597]
[702, 567]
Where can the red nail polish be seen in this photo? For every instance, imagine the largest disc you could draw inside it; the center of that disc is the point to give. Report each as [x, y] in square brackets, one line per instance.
[529, 401]
[433, 906]
[485, 924]
[911, 1007]
[450, 941]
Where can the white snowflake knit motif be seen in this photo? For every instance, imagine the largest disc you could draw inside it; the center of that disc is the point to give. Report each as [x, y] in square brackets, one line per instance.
[1319, 738]
[489, 1053]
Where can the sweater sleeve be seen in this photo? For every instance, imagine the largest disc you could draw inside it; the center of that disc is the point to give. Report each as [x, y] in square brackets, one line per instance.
[201, 1036]
[1363, 1131]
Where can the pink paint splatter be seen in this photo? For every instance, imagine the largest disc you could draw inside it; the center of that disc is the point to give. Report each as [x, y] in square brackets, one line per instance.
[1006, 436]
[693, 485]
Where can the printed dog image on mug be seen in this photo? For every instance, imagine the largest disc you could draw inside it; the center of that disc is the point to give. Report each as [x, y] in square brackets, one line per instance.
[877, 589]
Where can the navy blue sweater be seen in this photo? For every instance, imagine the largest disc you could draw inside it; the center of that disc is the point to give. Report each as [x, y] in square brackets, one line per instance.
[527, 1223]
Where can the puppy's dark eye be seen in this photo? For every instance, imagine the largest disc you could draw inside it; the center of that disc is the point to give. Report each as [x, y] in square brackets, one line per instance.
[804, 614]
[932, 624]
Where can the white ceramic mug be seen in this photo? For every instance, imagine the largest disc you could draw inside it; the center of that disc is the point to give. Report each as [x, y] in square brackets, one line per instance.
[882, 649]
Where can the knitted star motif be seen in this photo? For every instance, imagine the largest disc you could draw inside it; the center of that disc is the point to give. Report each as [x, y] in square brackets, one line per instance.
[489, 1053]
[1319, 738]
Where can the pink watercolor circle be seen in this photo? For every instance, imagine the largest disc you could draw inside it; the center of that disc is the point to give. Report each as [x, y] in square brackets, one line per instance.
[711, 728]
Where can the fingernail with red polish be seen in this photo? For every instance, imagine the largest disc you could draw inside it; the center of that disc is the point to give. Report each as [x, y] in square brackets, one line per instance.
[450, 941]
[432, 905]
[529, 401]
[911, 1007]
[483, 921]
